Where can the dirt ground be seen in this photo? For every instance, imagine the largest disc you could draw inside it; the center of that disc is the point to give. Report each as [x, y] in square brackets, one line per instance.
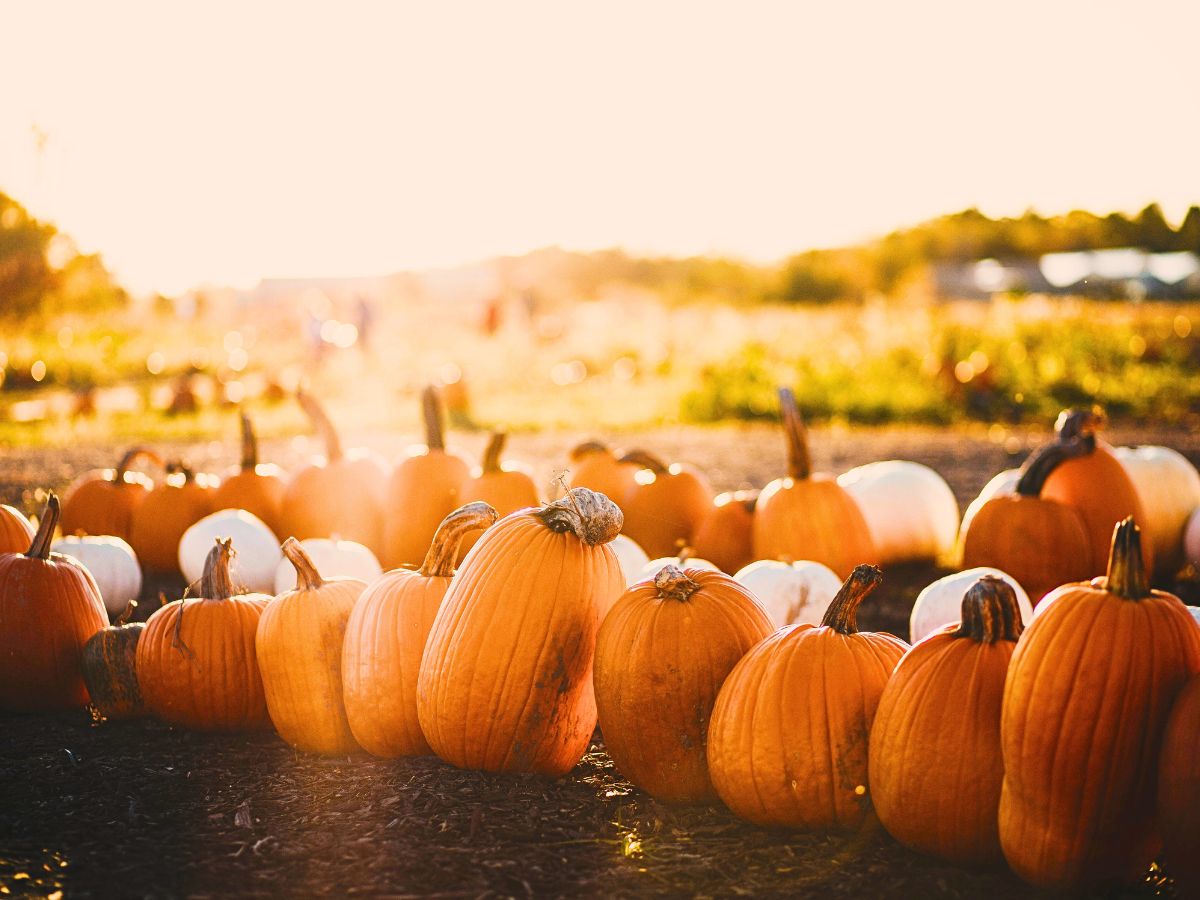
[141, 809]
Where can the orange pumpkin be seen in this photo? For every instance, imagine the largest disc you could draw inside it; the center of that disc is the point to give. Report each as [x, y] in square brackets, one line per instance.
[105, 501]
[299, 644]
[109, 665]
[424, 488]
[170, 509]
[597, 468]
[806, 515]
[339, 496]
[661, 656]
[385, 640]
[50, 607]
[787, 742]
[667, 504]
[934, 756]
[506, 680]
[1179, 791]
[196, 662]
[726, 535]
[255, 487]
[503, 486]
[1085, 705]
[15, 530]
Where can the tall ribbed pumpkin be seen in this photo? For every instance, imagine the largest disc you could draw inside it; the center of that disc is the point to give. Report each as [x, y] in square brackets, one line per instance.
[171, 508]
[15, 530]
[597, 468]
[1085, 705]
[506, 487]
[105, 501]
[49, 608]
[299, 645]
[196, 662]
[662, 654]
[787, 742]
[666, 505]
[809, 515]
[1179, 791]
[385, 640]
[934, 757]
[255, 487]
[506, 680]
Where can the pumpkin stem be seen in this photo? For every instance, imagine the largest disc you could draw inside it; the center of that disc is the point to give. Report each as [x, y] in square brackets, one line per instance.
[491, 455]
[683, 552]
[1050, 456]
[673, 584]
[443, 552]
[990, 612]
[39, 547]
[587, 514]
[321, 422]
[307, 576]
[799, 460]
[217, 581]
[1126, 569]
[646, 460]
[579, 451]
[180, 467]
[131, 456]
[431, 407]
[249, 445]
[126, 613]
[1075, 423]
[842, 614]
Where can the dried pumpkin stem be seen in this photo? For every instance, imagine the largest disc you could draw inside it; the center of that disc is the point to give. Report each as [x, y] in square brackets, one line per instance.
[1126, 568]
[39, 547]
[799, 459]
[431, 408]
[443, 552]
[1075, 423]
[990, 612]
[132, 456]
[646, 460]
[587, 514]
[217, 581]
[579, 451]
[249, 445]
[307, 576]
[495, 448]
[674, 584]
[842, 614]
[1047, 458]
[321, 422]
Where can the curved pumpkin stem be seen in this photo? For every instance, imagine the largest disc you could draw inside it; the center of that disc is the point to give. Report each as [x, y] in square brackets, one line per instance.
[249, 445]
[321, 422]
[579, 451]
[588, 515]
[646, 460]
[842, 614]
[431, 408]
[674, 584]
[1126, 568]
[131, 456]
[217, 581]
[990, 612]
[39, 547]
[180, 467]
[443, 552]
[495, 448]
[307, 576]
[1047, 458]
[799, 460]
[126, 613]
[1078, 423]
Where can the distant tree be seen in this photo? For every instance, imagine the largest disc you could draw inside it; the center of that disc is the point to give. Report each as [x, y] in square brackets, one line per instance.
[25, 273]
[1153, 231]
[1188, 235]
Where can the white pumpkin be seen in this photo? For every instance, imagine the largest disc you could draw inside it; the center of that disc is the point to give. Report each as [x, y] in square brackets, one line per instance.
[796, 593]
[256, 548]
[909, 508]
[1002, 483]
[1169, 488]
[654, 566]
[112, 563]
[1195, 611]
[940, 604]
[331, 557]
[631, 556]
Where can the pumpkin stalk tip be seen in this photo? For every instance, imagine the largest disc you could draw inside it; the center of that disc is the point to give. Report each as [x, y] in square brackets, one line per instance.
[322, 423]
[39, 547]
[842, 614]
[493, 452]
[990, 612]
[799, 459]
[431, 408]
[645, 459]
[307, 576]
[589, 515]
[1126, 569]
[249, 445]
[674, 584]
[217, 581]
[443, 552]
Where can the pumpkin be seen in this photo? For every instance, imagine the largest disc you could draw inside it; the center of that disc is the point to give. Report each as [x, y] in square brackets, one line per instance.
[1085, 705]
[597, 468]
[506, 487]
[910, 510]
[109, 665]
[385, 639]
[940, 604]
[787, 741]
[299, 644]
[1041, 543]
[630, 556]
[934, 756]
[726, 534]
[170, 509]
[105, 501]
[1094, 482]
[683, 558]
[796, 593]
[16, 531]
[1179, 791]
[1004, 482]
[506, 679]
[344, 558]
[662, 654]
[112, 564]
[196, 662]
[255, 487]
[258, 553]
[340, 495]
[1191, 539]
[50, 607]
[1168, 487]
[807, 515]
[666, 505]
[424, 488]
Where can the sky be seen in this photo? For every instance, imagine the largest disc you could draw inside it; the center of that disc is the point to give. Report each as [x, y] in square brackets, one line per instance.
[233, 141]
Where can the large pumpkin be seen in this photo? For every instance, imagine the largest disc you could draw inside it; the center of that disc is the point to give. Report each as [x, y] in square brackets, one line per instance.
[506, 487]
[934, 757]
[807, 515]
[110, 671]
[170, 509]
[1087, 698]
[787, 742]
[1168, 487]
[49, 609]
[598, 468]
[258, 553]
[506, 680]
[16, 531]
[726, 534]
[1179, 791]
[385, 640]
[666, 505]
[909, 508]
[196, 662]
[105, 501]
[424, 488]
[661, 656]
[255, 487]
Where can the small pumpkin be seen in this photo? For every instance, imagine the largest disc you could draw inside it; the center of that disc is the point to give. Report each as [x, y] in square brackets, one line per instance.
[332, 557]
[787, 741]
[1179, 791]
[934, 757]
[16, 531]
[1168, 487]
[105, 501]
[940, 603]
[666, 505]
[170, 509]
[112, 564]
[631, 557]
[506, 487]
[806, 515]
[258, 553]
[109, 665]
[385, 640]
[726, 534]
[255, 487]
[795, 593]
[910, 510]
[661, 656]
[598, 468]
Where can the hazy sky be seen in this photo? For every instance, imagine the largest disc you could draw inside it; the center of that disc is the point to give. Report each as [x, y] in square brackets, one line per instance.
[250, 139]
